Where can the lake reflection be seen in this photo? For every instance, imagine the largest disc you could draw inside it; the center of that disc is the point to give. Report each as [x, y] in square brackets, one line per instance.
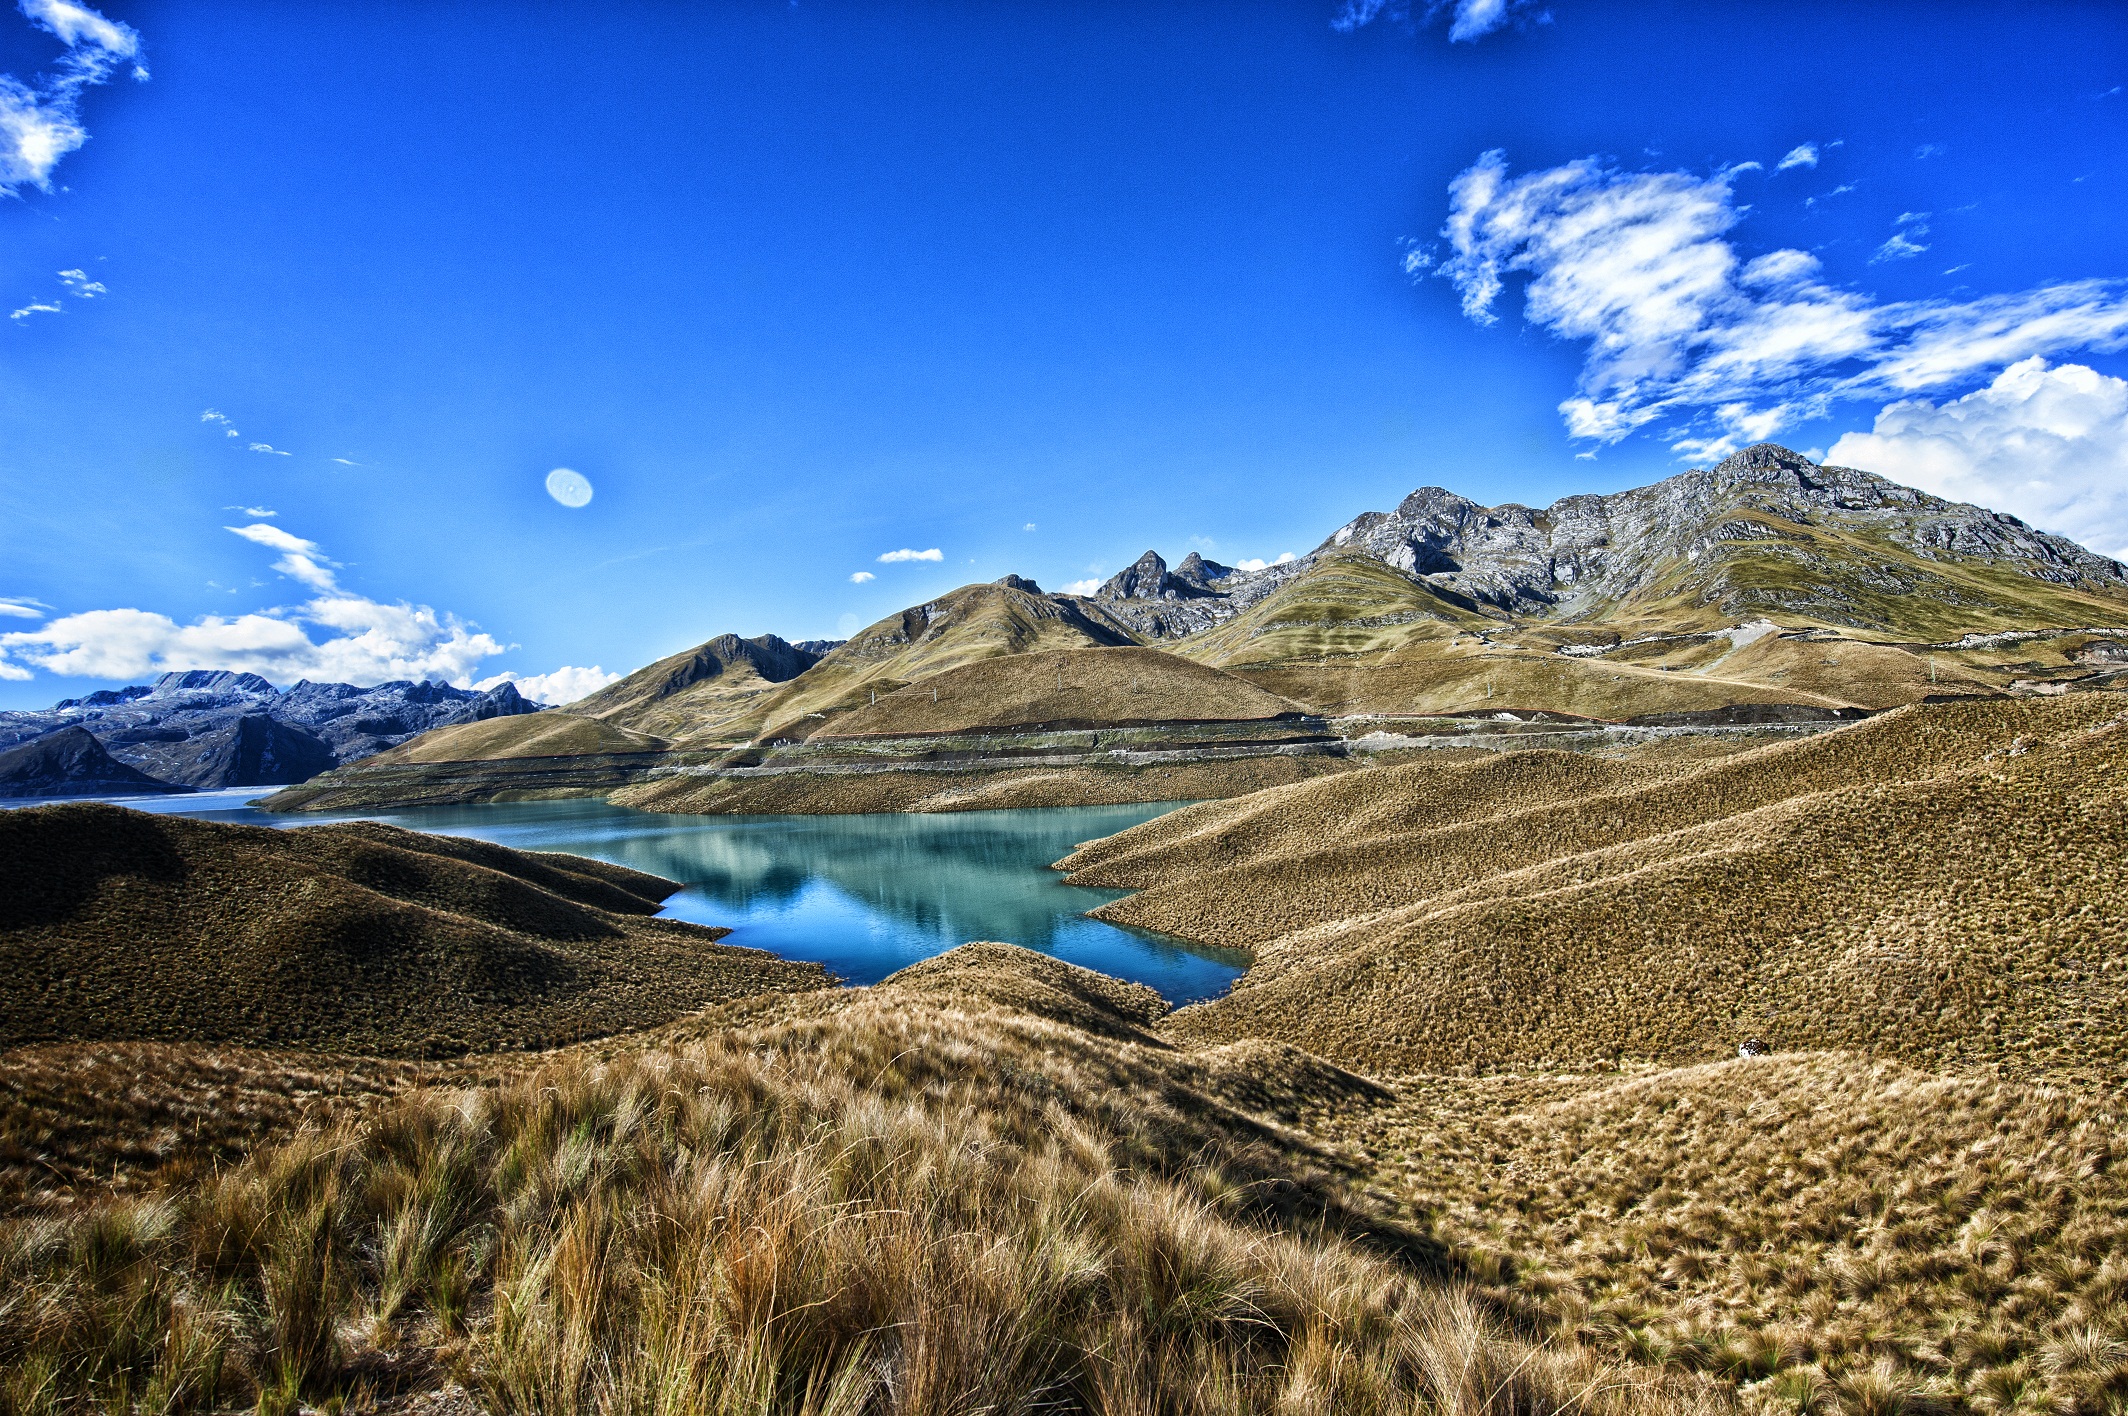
[864, 895]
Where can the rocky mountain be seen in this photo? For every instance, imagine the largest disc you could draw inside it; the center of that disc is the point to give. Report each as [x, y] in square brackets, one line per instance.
[721, 668]
[70, 760]
[1764, 531]
[203, 729]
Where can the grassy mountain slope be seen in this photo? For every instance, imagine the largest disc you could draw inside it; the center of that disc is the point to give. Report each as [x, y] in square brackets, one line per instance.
[1077, 686]
[549, 734]
[1941, 884]
[698, 692]
[117, 925]
[983, 1185]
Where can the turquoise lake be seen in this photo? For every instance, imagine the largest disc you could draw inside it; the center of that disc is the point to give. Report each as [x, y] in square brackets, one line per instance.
[864, 895]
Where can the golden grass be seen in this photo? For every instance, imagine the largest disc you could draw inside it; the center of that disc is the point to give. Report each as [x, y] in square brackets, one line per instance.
[1831, 1233]
[912, 1199]
[548, 734]
[1943, 884]
[118, 925]
[1080, 687]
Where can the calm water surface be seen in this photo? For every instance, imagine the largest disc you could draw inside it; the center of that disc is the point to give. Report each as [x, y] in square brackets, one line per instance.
[864, 895]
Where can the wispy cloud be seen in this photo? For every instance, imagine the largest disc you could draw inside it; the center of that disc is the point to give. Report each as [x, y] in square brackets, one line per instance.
[363, 641]
[253, 510]
[36, 309]
[345, 462]
[861, 576]
[1679, 326]
[1929, 150]
[1081, 587]
[1469, 19]
[1905, 243]
[270, 449]
[892, 557]
[1028, 527]
[1840, 191]
[40, 125]
[80, 286]
[2047, 444]
[21, 607]
[1801, 155]
[300, 559]
[220, 420]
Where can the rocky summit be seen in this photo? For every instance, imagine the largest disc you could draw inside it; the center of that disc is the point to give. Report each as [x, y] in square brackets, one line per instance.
[202, 729]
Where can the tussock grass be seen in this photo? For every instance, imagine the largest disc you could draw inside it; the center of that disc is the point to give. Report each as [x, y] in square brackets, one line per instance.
[1828, 1232]
[118, 925]
[916, 1198]
[1943, 884]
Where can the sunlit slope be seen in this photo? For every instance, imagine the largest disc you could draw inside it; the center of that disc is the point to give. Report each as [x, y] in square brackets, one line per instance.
[1944, 883]
[1755, 562]
[1343, 605]
[972, 623]
[549, 734]
[1078, 687]
[701, 692]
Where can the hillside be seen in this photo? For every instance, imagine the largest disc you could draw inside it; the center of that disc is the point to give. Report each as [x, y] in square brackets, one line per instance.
[985, 1181]
[698, 693]
[116, 925]
[1071, 688]
[1940, 884]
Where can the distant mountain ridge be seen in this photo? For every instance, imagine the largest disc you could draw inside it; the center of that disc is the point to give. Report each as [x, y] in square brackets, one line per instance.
[201, 729]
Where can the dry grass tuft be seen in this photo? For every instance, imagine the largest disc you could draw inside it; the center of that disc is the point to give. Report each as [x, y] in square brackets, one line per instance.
[912, 1199]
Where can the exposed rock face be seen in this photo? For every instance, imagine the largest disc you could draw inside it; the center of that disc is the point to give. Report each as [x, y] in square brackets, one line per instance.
[1168, 604]
[211, 728]
[819, 648]
[69, 762]
[1583, 554]
[1584, 551]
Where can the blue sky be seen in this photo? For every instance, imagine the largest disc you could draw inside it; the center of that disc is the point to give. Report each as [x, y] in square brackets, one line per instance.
[794, 287]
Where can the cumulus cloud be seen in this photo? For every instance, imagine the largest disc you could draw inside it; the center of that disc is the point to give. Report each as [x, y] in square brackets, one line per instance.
[561, 686]
[861, 576]
[1261, 564]
[892, 557]
[1469, 19]
[40, 125]
[1679, 327]
[1801, 155]
[2049, 445]
[1081, 587]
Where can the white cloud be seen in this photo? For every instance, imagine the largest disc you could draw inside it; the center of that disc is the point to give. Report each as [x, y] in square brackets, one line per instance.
[344, 462]
[300, 559]
[41, 125]
[1028, 527]
[36, 309]
[2049, 445]
[1472, 19]
[892, 557]
[268, 448]
[1678, 327]
[78, 283]
[1260, 564]
[253, 510]
[861, 576]
[1081, 587]
[1906, 242]
[367, 641]
[17, 607]
[562, 686]
[1801, 155]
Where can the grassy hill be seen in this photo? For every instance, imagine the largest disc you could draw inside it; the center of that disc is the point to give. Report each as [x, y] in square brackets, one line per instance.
[699, 693]
[1941, 884]
[116, 925]
[983, 1185]
[1077, 687]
